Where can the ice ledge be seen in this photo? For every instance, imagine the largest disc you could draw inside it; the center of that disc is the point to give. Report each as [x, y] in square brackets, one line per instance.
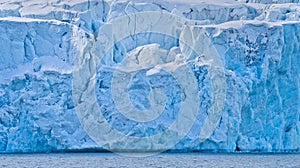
[261, 57]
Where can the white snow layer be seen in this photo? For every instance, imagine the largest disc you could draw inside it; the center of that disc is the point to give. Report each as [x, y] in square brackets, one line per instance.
[258, 41]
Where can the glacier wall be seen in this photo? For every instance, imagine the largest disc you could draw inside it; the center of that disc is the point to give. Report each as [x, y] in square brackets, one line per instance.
[258, 43]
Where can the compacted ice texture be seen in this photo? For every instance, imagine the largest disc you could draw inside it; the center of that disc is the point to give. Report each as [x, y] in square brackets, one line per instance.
[258, 42]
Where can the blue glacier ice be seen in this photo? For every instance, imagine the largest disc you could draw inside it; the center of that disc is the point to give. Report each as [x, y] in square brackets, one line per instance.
[44, 43]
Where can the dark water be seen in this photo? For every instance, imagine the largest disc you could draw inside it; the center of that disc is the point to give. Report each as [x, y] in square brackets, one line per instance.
[161, 160]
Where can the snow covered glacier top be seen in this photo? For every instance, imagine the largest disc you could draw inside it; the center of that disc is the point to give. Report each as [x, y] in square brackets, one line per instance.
[195, 75]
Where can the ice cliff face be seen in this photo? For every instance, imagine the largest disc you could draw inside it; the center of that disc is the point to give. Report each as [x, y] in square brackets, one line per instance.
[258, 43]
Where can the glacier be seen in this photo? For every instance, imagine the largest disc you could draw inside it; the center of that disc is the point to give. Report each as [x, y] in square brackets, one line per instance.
[44, 42]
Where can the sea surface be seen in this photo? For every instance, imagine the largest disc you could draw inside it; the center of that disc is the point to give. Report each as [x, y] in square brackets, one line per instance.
[70, 160]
